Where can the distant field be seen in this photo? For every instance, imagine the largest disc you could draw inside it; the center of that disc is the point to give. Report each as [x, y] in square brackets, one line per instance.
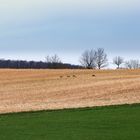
[26, 90]
[101, 123]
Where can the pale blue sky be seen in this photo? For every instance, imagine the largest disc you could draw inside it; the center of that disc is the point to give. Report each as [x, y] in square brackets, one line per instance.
[32, 29]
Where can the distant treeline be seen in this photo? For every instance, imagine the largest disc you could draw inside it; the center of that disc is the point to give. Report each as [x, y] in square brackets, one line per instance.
[90, 59]
[20, 64]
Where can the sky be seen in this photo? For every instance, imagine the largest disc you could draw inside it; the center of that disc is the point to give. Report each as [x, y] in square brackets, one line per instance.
[33, 29]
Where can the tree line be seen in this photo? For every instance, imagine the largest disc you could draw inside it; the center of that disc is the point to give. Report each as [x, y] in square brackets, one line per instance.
[97, 59]
[51, 63]
[90, 59]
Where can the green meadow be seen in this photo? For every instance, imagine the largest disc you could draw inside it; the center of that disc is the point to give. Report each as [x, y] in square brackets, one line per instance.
[99, 123]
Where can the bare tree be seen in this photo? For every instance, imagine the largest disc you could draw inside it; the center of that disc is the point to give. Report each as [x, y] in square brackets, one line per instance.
[132, 64]
[128, 65]
[118, 61]
[88, 59]
[101, 58]
[53, 59]
[48, 59]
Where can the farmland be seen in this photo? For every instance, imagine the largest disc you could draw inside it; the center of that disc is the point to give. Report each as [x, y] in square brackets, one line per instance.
[101, 123]
[31, 90]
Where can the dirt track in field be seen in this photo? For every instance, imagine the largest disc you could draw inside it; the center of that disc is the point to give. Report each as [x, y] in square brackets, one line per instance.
[26, 90]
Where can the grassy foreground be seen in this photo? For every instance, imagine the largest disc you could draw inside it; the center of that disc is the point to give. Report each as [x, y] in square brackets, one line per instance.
[101, 123]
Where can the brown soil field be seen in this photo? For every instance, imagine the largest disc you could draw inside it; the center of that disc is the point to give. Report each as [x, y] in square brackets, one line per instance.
[30, 90]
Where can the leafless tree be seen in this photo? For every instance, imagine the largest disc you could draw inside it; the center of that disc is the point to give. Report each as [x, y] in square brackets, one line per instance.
[118, 61]
[132, 64]
[101, 58]
[53, 59]
[88, 59]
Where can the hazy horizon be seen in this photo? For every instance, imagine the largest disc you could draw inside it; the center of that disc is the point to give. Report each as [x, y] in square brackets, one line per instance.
[31, 30]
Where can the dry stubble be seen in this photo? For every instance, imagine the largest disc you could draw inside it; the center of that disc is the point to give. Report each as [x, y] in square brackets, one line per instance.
[26, 90]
